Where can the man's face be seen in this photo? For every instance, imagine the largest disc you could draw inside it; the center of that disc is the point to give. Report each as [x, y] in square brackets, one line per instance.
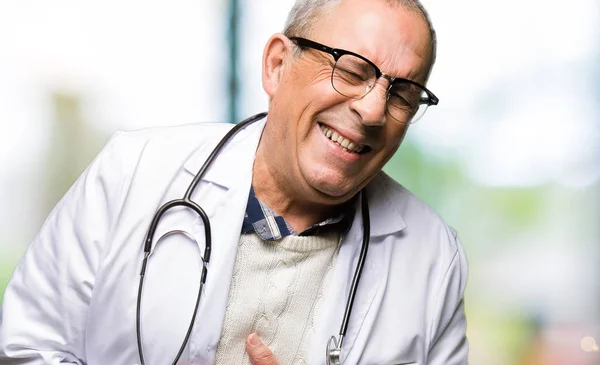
[305, 108]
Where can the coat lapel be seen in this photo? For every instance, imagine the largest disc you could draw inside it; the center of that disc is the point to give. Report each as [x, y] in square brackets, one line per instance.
[385, 219]
[226, 185]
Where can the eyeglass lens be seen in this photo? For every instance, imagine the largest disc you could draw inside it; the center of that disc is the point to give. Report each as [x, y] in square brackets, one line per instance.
[353, 77]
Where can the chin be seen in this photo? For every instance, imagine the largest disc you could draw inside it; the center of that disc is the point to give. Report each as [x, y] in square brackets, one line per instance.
[331, 184]
[333, 189]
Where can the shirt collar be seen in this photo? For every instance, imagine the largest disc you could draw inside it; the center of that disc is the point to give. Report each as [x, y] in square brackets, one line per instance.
[270, 226]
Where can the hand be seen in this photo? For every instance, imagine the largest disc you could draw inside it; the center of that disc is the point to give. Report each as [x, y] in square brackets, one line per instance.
[258, 352]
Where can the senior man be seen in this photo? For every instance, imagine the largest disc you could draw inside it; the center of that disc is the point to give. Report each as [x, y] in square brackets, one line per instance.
[289, 199]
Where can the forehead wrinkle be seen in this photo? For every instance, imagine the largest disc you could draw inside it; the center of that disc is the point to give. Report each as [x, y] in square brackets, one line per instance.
[389, 36]
[396, 54]
[389, 66]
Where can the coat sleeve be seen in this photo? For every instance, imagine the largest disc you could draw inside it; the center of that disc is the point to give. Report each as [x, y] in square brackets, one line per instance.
[44, 312]
[449, 344]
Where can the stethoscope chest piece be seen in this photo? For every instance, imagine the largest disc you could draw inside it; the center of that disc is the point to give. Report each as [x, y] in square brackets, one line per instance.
[334, 351]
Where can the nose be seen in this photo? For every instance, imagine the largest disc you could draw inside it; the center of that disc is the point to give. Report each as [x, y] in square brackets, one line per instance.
[372, 106]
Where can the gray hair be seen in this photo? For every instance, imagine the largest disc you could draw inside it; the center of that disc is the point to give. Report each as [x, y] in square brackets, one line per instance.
[304, 14]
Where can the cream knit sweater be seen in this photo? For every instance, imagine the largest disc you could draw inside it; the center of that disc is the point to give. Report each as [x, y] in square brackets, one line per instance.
[276, 291]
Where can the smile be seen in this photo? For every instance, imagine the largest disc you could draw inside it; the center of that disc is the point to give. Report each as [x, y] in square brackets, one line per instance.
[343, 142]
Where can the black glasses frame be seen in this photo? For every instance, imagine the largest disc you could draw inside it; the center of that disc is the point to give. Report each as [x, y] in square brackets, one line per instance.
[337, 53]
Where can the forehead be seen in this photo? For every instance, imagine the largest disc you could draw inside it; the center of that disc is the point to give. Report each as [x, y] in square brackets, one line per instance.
[396, 39]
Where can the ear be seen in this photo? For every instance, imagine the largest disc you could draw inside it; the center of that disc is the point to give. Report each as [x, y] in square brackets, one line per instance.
[273, 65]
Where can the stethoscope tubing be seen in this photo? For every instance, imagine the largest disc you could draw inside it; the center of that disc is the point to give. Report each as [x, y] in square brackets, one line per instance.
[332, 354]
[359, 266]
[188, 203]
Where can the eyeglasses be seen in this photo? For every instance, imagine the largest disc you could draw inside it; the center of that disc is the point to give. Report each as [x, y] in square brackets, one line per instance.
[354, 76]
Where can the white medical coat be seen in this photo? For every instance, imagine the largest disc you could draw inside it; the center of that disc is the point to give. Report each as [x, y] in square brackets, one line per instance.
[72, 298]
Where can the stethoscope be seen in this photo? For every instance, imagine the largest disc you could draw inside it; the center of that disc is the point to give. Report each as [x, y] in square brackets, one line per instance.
[334, 346]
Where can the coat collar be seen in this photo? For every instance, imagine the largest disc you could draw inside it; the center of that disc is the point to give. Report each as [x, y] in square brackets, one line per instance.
[224, 171]
[387, 201]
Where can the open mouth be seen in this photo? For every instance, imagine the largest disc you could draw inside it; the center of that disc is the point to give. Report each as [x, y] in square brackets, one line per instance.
[344, 143]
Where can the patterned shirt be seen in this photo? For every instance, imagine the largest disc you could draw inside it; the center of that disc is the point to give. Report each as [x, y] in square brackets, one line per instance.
[270, 226]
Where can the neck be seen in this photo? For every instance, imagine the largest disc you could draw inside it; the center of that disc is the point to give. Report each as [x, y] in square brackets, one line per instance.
[273, 189]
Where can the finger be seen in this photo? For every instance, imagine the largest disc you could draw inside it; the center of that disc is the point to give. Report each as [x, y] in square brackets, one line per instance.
[258, 352]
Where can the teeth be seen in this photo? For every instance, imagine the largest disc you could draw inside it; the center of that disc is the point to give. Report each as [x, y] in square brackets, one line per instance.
[344, 143]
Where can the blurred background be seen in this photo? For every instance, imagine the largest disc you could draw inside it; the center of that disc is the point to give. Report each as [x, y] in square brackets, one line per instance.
[510, 157]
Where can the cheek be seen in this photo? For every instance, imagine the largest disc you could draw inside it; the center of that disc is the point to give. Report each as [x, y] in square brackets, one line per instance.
[395, 134]
[318, 87]
[322, 81]
[393, 139]
[304, 92]
[321, 75]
